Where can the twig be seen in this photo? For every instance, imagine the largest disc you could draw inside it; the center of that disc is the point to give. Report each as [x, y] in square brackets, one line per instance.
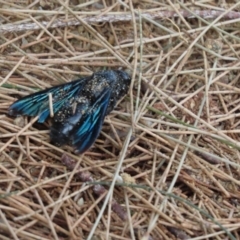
[206, 14]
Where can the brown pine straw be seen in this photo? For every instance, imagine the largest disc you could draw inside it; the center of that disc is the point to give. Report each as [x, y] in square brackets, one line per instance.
[166, 164]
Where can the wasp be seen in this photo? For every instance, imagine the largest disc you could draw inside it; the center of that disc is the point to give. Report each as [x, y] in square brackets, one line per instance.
[78, 108]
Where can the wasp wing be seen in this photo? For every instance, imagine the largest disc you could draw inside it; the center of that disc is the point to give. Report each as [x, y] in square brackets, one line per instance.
[37, 104]
[85, 133]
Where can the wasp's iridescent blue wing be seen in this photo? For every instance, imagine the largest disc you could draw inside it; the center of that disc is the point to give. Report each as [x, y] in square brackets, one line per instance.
[38, 103]
[61, 131]
[85, 134]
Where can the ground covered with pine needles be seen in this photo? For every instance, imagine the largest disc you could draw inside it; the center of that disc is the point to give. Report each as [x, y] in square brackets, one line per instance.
[166, 164]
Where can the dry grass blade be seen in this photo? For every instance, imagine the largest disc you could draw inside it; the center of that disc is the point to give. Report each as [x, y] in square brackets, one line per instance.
[166, 165]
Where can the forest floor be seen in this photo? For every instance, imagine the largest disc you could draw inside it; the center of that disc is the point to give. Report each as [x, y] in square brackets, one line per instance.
[166, 164]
